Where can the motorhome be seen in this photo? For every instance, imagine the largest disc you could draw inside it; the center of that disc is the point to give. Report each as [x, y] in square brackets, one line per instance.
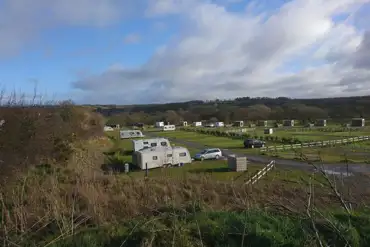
[147, 143]
[160, 157]
[168, 127]
[127, 134]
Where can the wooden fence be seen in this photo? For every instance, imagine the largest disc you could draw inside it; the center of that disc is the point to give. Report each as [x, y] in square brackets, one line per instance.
[261, 173]
[315, 144]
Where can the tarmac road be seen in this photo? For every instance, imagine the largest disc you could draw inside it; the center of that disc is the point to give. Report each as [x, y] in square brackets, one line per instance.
[295, 164]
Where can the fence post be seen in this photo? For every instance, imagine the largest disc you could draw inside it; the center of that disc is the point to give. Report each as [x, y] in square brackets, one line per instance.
[146, 169]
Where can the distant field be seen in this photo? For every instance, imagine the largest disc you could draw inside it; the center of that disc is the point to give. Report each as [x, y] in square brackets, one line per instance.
[354, 153]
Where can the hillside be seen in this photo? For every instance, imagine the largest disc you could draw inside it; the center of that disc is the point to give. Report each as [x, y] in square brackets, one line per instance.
[246, 108]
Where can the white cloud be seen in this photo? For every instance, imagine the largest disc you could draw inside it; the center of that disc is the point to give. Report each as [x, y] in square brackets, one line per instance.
[222, 54]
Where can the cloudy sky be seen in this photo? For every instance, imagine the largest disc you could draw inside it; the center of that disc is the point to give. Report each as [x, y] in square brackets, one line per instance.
[152, 51]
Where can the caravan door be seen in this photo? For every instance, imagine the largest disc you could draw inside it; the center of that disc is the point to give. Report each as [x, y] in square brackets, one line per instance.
[168, 157]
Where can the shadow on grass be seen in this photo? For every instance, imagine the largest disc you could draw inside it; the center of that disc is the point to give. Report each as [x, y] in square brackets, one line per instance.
[209, 170]
[120, 152]
[117, 164]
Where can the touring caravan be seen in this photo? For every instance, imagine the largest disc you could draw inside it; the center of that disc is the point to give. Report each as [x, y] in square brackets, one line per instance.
[126, 134]
[147, 143]
[168, 127]
[159, 124]
[161, 156]
[108, 128]
[197, 124]
[220, 124]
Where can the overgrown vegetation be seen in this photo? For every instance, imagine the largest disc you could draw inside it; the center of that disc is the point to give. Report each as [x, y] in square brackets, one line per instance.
[60, 196]
[336, 110]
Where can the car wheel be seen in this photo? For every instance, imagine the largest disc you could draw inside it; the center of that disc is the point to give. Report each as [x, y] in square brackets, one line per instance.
[217, 157]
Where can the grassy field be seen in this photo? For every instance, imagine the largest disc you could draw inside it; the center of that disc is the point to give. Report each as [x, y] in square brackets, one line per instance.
[355, 153]
[214, 169]
[201, 204]
[351, 153]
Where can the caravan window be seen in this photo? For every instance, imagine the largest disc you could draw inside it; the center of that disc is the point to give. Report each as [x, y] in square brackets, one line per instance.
[169, 155]
[132, 133]
[164, 144]
[146, 143]
[155, 157]
[137, 133]
[182, 154]
[153, 144]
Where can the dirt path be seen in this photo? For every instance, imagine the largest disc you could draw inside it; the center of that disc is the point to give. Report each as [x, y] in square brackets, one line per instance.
[338, 167]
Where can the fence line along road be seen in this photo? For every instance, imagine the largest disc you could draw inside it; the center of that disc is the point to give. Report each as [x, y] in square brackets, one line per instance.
[315, 144]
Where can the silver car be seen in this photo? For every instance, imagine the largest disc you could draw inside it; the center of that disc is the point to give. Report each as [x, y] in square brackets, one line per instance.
[209, 153]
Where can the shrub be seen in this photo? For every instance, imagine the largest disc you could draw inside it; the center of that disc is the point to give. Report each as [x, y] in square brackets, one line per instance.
[32, 135]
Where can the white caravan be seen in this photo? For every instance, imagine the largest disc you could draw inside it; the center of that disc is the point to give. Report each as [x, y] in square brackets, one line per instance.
[161, 157]
[159, 124]
[220, 124]
[108, 128]
[197, 124]
[148, 143]
[126, 134]
[168, 127]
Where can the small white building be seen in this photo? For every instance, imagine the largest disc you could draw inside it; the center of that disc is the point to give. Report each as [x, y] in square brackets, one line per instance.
[169, 127]
[321, 122]
[269, 131]
[159, 124]
[358, 122]
[238, 124]
[161, 156]
[197, 124]
[150, 143]
[220, 124]
[127, 134]
[288, 123]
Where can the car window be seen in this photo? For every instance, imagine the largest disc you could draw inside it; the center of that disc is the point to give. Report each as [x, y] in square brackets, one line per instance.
[203, 152]
[169, 155]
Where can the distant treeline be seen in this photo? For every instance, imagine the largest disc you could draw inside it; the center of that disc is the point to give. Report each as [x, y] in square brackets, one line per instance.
[247, 109]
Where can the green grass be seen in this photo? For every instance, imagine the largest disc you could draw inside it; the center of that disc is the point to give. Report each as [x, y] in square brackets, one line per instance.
[194, 227]
[337, 154]
[327, 154]
[215, 169]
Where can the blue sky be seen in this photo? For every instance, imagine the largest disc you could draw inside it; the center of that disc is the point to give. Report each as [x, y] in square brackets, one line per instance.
[120, 52]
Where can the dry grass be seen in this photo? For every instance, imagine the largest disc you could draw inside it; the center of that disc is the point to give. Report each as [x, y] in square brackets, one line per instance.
[63, 200]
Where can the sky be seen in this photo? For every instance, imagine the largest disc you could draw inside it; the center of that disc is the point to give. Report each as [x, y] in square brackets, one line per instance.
[158, 51]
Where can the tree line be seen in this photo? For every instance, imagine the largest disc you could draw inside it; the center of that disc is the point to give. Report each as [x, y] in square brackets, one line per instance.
[246, 109]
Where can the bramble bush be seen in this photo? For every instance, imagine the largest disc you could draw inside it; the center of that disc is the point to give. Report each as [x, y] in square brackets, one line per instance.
[31, 135]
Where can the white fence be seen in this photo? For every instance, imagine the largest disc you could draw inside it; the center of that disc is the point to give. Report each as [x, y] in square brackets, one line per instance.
[261, 173]
[315, 144]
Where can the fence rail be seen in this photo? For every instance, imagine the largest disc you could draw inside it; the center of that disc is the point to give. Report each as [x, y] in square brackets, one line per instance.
[261, 173]
[315, 144]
